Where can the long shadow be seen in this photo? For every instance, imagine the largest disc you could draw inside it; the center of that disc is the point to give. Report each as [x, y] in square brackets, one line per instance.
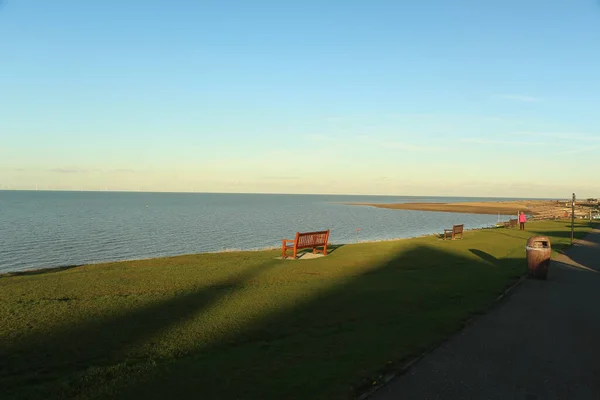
[310, 350]
[554, 264]
[558, 234]
[565, 266]
[485, 256]
[579, 223]
[48, 357]
[516, 233]
[584, 254]
[560, 247]
[371, 320]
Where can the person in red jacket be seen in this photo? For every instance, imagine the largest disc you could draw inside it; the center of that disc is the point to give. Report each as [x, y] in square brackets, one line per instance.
[522, 220]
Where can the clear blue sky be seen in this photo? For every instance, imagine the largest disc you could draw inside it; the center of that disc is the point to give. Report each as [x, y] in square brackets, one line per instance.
[376, 97]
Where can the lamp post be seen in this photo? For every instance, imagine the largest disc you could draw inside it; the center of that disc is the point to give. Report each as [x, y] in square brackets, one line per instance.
[572, 219]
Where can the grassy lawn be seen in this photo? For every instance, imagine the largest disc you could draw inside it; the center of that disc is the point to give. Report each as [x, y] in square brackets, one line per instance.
[246, 325]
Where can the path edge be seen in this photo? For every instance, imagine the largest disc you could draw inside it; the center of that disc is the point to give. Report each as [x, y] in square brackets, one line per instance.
[469, 321]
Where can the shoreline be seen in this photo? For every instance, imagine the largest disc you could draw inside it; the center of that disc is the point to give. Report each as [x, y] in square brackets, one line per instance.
[154, 316]
[34, 271]
[460, 208]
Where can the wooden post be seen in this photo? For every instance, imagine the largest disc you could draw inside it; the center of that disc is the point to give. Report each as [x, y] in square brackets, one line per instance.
[573, 219]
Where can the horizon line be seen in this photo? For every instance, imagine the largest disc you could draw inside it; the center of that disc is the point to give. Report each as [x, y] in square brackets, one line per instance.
[272, 193]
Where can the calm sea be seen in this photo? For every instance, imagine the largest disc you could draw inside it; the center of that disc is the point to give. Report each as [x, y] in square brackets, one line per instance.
[40, 229]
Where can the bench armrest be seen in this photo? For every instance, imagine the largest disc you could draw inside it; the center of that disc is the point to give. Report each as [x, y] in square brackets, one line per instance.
[287, 240]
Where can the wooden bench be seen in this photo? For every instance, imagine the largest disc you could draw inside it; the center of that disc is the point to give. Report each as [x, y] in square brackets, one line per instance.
[455, 231]
[513, 222]
[306, 240]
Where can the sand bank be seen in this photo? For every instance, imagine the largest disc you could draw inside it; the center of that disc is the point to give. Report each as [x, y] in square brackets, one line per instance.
[541, 209]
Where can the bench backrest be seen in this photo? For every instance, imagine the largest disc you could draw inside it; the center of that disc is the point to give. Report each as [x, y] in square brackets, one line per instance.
[512, 222]
[311, 239]
[457, 228]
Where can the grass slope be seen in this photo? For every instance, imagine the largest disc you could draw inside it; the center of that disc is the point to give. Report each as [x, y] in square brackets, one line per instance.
[245, 325]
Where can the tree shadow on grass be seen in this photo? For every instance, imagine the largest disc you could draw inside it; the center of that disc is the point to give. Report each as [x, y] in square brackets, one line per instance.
[485, 256]
[563, 245]
[553, 234]
[331, 345]
[47, 358]
[327, 343]
[558, 234]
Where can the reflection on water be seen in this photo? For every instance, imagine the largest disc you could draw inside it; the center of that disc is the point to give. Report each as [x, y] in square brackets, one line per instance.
[46, 229]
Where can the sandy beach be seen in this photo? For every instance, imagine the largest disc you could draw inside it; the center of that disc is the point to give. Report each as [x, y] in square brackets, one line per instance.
[539, 209]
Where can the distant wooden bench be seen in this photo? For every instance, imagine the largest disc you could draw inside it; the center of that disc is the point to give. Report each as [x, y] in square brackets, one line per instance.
[455, 231]
[513, 222]
[306, 240]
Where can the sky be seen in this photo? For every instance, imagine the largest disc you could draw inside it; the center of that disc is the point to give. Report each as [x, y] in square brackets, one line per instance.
[390, 97]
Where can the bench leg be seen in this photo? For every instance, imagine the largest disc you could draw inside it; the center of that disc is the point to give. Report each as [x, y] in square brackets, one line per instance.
[325, 249]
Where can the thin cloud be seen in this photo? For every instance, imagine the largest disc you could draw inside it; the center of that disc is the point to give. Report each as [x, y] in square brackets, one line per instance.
[579, 150]
[281, 178]
[562, 136]
[522, 98]
[451, 118]
[386, 144]
[504, 142]
[533, 144]
[319, 138]
[404, 146]
[65, 170]
[347, 118]
[72, 170]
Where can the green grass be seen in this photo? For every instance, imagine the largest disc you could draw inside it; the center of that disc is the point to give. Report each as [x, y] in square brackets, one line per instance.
[245, 325]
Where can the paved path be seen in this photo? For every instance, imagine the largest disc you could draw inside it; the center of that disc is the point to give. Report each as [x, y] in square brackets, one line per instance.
[543, 342]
